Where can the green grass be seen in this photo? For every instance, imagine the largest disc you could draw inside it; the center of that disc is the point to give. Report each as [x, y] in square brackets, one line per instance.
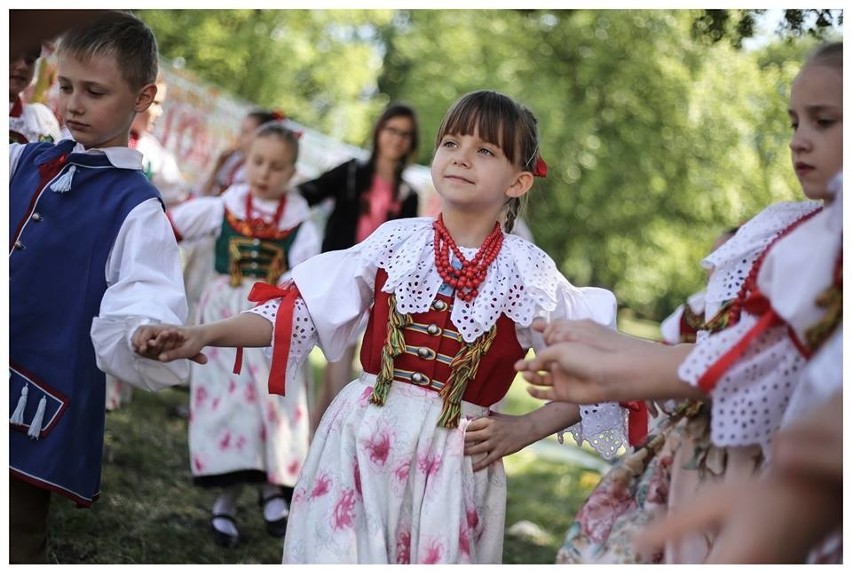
[150, 513]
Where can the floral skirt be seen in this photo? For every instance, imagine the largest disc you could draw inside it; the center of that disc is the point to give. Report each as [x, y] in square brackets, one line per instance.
[383, 484]
[235, 425]
[676, 461]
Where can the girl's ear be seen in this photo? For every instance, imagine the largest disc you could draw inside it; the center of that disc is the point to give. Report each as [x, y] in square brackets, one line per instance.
[145, 98]
[522, 183]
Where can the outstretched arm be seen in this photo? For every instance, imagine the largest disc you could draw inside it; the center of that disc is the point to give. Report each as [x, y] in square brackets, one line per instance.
[586, 362]
[170, 342]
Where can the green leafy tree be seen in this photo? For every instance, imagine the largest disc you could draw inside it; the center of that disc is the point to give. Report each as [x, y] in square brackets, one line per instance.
[656, 141]
[658, 135]
[318, 66]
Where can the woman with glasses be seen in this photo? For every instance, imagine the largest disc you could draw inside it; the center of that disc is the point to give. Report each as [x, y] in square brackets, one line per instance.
[365, 194]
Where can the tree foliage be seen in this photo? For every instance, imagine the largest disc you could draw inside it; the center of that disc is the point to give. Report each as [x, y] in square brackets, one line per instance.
[658, 136]
[318, 66]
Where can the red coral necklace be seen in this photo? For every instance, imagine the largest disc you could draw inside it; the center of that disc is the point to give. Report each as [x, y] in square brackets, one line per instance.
[467, 279]
[259, 227]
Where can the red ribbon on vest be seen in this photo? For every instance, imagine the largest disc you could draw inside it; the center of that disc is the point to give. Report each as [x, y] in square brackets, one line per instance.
[758, 305]
[637, 421]
[263, 292]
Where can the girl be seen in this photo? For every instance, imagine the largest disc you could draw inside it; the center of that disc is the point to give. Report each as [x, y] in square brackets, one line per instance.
[231, 164]
[28, 122]
[229, 169]
[748, 358]
[238, 433]
[365, 195]
[390, 476]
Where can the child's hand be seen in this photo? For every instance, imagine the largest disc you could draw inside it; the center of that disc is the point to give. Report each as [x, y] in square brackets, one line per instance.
[564, 372]
[165, 343]
[495, 435]
[814, 444]
[779, 518]
[773, 520]
[587, 362]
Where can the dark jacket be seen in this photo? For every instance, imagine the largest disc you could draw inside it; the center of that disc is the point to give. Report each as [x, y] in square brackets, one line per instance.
[347, 184]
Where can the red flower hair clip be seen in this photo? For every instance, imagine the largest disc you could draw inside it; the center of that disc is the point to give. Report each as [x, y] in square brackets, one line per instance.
[278, 115]
[540, 169]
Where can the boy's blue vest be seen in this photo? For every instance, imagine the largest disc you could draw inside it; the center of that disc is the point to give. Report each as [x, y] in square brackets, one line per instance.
[60, 237]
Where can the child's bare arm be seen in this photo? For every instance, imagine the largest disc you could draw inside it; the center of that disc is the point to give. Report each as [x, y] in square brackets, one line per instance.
[586, 362]
[169, 342]
[498, 435]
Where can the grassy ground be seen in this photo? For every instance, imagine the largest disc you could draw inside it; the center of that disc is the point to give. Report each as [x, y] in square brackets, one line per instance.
[150, 513]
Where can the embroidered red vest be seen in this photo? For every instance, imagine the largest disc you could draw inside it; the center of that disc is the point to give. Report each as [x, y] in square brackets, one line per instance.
[432, 342]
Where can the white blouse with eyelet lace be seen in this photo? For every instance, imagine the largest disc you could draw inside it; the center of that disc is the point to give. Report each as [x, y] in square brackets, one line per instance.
[750, 399]
[337, 288]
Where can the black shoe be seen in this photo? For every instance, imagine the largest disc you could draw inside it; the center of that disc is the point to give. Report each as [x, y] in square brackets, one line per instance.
[278, 527]
[224, 538]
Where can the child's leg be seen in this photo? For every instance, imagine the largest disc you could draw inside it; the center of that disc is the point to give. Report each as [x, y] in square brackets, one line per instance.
[28, 510]
[275, 502]
[224, 510]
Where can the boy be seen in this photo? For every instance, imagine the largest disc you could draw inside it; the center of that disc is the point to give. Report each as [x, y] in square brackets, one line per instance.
[83, 211]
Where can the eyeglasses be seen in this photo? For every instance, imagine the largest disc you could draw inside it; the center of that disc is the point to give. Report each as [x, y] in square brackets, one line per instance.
[398, 132]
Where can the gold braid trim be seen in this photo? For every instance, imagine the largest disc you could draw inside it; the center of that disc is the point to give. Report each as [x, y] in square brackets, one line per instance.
[831, 299]
[394, 346]
[463, 370]
[722, 319]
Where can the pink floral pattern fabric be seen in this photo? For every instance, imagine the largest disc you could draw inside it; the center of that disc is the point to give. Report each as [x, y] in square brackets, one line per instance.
[234, 423]
[383, 484]
[676, 461]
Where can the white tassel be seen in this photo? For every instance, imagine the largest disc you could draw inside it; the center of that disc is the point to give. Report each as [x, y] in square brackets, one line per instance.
[63, 184]
[35, 425]
[18, 414]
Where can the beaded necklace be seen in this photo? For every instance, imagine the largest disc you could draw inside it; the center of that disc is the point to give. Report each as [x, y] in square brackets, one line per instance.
[256, 226]
[467, 279]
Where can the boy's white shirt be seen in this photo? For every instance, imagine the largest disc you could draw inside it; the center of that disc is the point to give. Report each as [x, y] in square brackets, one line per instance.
[144, 285]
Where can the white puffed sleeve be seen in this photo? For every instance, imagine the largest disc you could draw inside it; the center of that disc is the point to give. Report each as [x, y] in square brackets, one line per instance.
[145, 286]
[337, 288]
[198, 217]
[303, 334]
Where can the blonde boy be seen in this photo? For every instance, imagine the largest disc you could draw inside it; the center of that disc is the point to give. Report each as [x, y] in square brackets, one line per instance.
[92, 256]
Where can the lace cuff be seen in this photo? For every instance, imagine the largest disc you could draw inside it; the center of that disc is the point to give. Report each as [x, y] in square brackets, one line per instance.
[603, 426]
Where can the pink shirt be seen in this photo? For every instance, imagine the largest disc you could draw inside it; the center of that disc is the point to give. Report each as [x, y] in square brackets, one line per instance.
[378, 201]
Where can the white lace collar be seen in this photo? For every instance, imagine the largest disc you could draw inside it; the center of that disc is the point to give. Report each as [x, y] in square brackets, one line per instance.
[520, 281]
[733, 260]
[296, 210]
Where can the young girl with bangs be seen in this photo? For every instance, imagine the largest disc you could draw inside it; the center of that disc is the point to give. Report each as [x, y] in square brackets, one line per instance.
[405, 466]
[773, 301]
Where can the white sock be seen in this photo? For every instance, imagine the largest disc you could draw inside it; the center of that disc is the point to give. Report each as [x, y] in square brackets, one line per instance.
[226, 504]
[274, 509]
